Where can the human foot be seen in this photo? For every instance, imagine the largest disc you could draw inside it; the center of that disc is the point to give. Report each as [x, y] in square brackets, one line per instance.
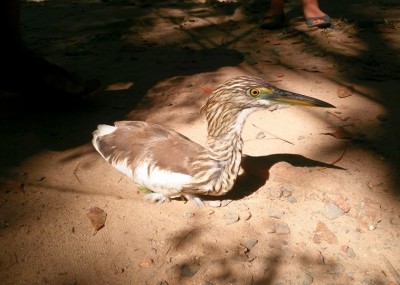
[272, 22]
[320, 22]
[275, 16]
[314, 16]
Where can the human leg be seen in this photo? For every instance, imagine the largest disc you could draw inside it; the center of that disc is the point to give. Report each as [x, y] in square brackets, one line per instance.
[275, 16]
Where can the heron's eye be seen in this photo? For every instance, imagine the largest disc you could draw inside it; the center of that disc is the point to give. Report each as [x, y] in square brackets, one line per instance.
[253, 92]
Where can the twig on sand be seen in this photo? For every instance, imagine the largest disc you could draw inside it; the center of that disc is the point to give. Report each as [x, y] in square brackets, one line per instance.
[190, 232]
[279, 138]
[392, 270]
[75, 173]
[337, 160]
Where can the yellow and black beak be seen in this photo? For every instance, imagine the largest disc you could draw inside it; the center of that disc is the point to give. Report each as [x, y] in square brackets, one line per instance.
[284, 97]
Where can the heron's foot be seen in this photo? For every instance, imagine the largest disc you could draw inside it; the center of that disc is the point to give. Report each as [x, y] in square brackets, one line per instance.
[157, 198]
[195, 200]
[143, 189]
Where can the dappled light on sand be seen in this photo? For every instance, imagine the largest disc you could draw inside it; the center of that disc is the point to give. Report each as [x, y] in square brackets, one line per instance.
[317, 195]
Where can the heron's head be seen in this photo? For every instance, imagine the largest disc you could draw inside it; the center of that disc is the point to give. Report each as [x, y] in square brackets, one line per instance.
[229, 105]
[245, 92]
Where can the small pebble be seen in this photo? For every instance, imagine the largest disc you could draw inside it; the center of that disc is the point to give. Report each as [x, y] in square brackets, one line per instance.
[214, 204]
[274, 192]
[251, 257]
[342, 204]
[260, 136]
[351, 253]
[331, 211]
[344, 248]
[231, 218]
[286, 190]
[210, 211]
[318, 258]
[225, 202]
[269, 226]
[282, 228]
[189, 271]
[250, 243]
[40, 178]
[188, 214]
[292, 199]
[308, 279]
[275, 213]
[245, 215]
[146, 263]
[345, 91]
[271, 230]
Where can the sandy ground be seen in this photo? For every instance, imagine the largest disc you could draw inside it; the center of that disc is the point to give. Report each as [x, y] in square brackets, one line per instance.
[322, 203]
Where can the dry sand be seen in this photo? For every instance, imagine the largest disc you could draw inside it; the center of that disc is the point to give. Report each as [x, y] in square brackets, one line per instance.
[324, 207]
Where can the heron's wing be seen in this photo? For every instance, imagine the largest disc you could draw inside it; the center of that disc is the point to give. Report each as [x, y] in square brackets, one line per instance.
[136, 142]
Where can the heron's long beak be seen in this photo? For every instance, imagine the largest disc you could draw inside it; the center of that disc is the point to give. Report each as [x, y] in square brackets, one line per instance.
[290, 98]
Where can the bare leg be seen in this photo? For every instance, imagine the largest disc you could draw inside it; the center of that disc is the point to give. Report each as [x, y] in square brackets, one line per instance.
[276, 7]
[275, 17]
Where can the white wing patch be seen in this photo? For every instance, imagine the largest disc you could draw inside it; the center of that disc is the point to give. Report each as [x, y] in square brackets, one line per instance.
[123, 167]
[102, 130]
[158, 180]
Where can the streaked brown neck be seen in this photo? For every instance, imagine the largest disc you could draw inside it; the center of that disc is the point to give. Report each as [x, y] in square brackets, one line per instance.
[224, 149]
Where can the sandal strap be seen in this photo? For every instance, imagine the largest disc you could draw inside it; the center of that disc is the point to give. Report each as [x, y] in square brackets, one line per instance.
[326, 21]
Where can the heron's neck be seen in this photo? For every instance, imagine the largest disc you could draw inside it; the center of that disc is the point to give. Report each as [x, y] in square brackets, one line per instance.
[224, 147]
[224, 141]
[218, 167]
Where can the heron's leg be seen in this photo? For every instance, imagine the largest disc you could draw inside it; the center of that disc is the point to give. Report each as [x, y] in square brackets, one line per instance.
[157, 198]
[144, 189]
[195, 199]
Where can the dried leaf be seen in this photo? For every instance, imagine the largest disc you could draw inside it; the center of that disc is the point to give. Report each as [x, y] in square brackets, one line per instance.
[119, 86]
[339, 133]
[392, 270]
[98, 218]
[311, 68]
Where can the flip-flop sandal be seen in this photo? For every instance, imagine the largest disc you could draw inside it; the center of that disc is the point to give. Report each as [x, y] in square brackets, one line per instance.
[272, 22]
[326, 22]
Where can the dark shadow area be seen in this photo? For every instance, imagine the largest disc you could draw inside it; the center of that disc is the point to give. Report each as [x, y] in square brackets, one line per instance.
[256, 173]
[224, 259]
[31, 126]
[28, 128]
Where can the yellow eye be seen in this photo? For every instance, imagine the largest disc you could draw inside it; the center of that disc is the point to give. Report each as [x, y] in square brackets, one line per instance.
[254, 92]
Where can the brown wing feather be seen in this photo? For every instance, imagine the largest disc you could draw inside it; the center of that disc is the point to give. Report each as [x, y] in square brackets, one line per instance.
[136, 140]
